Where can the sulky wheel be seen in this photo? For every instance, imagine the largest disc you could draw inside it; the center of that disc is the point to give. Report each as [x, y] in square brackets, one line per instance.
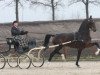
[12, 61]
[24, 61]
[37, 57]
[2, 61]
[4, 48]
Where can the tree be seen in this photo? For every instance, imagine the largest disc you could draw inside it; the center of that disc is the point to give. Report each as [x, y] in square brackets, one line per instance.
[16, 9]
[86, 3]
[53, 4]
[16, 3]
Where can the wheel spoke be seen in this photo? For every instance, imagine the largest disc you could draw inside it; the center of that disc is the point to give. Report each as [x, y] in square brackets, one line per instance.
[12, 61]
[24, 61]
[37, 58]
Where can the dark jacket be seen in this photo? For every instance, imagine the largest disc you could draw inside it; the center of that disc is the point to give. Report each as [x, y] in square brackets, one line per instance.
[16, 31]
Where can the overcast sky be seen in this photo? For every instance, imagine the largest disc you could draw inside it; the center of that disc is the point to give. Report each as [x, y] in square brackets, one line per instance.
[27, 13]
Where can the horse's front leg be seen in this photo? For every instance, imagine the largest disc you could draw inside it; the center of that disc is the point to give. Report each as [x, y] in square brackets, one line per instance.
[78, 57]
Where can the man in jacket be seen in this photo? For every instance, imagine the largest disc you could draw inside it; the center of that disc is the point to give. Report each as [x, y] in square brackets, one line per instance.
[15, 31]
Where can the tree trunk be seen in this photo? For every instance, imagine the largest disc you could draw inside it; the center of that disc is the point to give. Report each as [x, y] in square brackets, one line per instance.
[53, 10]
[87, 9]
[16, 9]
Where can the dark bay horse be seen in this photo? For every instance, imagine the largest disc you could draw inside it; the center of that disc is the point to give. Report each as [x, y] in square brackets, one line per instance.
[79, 40]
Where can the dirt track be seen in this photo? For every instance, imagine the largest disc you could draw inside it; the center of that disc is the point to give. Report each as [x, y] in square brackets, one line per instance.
[57, 68]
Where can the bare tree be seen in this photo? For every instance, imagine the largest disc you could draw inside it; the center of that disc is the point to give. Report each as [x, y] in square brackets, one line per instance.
[53, 9]
[16, 9]
[16, 3]
[86, 3]
[53, 4]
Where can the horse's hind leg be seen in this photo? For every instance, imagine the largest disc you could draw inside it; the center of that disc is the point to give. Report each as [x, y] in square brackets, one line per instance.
[56, 51]
[64, 54]
[98, 48]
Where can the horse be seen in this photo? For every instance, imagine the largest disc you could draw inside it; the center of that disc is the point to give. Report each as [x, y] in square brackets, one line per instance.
[79, 40]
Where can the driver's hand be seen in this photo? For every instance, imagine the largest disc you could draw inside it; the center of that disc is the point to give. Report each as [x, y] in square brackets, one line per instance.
[26, 32]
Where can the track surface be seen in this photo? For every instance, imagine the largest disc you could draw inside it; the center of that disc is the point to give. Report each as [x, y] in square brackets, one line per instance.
[57, 68]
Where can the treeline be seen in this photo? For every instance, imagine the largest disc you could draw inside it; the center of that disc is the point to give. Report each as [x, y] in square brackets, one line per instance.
[52, 4]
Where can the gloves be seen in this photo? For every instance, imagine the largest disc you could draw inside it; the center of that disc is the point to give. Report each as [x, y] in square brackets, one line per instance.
[24, 32]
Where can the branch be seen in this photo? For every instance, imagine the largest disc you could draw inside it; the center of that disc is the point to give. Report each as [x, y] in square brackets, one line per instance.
[95, 2]
[84, 2]
[40, 3]
[8, 4]
[57, 4]
[21, 4]
[73, 2]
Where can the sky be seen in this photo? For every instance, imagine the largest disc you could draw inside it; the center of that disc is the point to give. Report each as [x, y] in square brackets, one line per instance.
[39, 13]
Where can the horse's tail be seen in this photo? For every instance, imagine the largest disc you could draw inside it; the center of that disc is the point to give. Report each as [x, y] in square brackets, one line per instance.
[46, 40]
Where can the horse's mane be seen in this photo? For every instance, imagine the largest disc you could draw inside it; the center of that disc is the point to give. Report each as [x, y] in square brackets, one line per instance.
[83, 26]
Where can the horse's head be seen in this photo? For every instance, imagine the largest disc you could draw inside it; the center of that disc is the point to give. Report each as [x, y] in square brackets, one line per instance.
[91, 24]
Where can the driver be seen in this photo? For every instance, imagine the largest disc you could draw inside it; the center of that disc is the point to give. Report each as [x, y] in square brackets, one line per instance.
[16, 31]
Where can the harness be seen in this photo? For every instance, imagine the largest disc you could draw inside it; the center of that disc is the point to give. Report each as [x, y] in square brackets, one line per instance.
[77, 37]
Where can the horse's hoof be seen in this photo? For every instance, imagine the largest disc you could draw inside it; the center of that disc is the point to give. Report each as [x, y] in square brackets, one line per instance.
[47, 62]
[78, 66]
